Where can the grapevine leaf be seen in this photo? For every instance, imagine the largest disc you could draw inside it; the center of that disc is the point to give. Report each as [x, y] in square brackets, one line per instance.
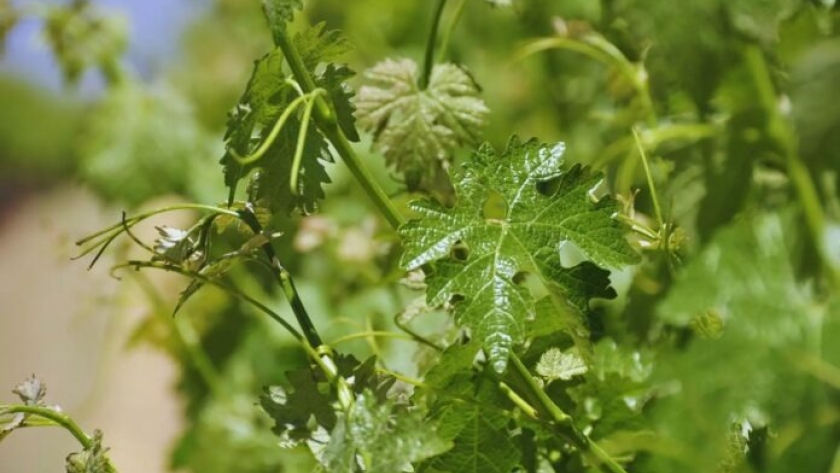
[31, 391]
[557, 364]
[419, 130]
[317, 44]
[382, 436]
[454, 361]
[279, 13]
[292, 408]
[90, 460]
[333, 81]
[477, 429]
[265, 98]
[308, 397]
[505, 224]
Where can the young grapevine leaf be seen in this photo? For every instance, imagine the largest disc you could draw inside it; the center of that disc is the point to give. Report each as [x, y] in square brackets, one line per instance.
[418, 130]
[279, 13]
[266, 97]
[382, 437]
[557, 364]
[92, 460]
[317, 45]
[31, 391]
[514, 212]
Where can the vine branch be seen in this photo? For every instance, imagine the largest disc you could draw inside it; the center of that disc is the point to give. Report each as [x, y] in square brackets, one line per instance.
[60, 419]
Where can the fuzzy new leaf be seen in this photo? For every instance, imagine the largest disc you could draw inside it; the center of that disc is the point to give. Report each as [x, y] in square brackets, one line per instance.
[417, 130]
[91, 460]
[556, 364]
[511, 209]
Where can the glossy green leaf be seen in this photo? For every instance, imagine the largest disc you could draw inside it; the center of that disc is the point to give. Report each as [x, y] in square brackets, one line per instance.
[514, 212]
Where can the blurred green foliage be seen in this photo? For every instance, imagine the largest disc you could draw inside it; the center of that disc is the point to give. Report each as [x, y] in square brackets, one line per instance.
[723, 361]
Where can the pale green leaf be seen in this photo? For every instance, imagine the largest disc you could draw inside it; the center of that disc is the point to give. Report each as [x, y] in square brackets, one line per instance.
[31, 391]
[418, 130]
[91, 460]
[556, 364]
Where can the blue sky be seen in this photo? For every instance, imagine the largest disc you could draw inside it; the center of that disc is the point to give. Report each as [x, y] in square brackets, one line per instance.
[154, 28]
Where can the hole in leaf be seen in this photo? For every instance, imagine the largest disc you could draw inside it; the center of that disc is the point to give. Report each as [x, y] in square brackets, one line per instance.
[459, 251]
[531, 282]
[495, 207]
[549, 187]
[570, 254]
[598, 191]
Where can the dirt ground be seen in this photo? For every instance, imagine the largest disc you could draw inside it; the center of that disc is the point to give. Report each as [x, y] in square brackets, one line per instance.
[56, 322]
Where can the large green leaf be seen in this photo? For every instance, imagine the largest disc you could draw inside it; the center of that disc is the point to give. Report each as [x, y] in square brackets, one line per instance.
[477, 426]
[514, 213]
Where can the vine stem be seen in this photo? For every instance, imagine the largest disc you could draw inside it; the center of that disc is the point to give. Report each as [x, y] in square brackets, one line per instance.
[285, 280]
[429, 59]
[62, 420]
